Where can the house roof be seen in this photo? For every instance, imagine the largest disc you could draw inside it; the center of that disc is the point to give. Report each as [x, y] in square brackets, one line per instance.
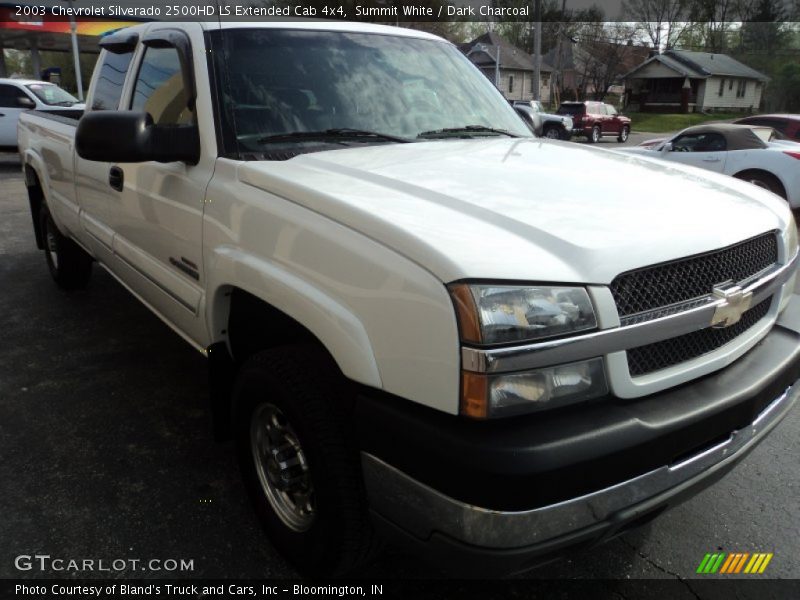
[701, 65]
[511, 57]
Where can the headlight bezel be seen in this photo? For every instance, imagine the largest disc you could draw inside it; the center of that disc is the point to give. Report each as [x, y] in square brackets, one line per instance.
[473, 304]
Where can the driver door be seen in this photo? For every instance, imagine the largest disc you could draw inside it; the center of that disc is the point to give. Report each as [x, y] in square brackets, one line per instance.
[11, 106]
[705, 150]
[611, 123]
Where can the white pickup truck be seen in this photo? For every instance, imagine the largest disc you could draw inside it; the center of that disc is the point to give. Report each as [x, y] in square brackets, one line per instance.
[422, 323]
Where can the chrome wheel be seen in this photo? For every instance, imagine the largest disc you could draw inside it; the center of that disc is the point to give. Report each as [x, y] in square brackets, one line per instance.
[623, 136]
[52, 247]
[595, 134]
[552, 133]
[282, 467]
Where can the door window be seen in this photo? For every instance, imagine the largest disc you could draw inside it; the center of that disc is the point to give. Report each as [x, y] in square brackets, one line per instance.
[160, 89]
[700, 142]
[110, 79]
[9, 95]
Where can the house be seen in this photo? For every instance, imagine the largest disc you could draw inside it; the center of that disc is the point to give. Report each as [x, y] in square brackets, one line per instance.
[515, 69]
[584, 65]
[693, 82]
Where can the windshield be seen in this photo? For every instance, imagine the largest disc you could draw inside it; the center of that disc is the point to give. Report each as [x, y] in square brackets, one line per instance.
[53, 95]
[571, 109]
[275, 82]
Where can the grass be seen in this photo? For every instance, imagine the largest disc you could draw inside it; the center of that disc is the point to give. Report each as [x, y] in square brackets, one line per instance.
[663, 123]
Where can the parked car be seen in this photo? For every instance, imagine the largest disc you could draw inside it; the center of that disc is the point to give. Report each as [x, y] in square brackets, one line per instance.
[596, 120]
[788, 125]
[421, 323]
[532, 119]
[744, 151]
[19, 95]
[558, 127]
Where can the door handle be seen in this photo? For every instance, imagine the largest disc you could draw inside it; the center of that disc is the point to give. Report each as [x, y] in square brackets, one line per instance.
[710, 160]
[2, 114]
[116, 178]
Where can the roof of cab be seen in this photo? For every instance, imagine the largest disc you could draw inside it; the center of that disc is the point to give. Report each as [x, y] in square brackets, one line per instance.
[313, 25]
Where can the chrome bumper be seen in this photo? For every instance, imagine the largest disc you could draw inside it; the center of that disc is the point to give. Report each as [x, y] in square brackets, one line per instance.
[422, 511]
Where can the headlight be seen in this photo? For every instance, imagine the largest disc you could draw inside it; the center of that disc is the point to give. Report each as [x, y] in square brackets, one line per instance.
[486, 396]
[497, 314]
[502, 314]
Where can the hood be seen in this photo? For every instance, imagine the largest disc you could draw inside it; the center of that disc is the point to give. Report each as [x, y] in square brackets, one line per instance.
[522, 209]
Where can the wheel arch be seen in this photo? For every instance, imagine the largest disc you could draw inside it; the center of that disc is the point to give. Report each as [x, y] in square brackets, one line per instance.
[761, 171]
[265, 306]
[36, 199]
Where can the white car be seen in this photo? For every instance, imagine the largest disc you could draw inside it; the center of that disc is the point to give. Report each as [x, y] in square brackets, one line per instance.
[18, 95]
[746, 152]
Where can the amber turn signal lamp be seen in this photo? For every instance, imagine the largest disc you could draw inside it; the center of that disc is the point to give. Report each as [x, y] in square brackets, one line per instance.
[467, 313]
[474, 395]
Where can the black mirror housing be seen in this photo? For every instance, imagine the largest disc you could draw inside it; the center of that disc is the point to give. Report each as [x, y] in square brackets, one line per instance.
[132, 137]
[25, 102]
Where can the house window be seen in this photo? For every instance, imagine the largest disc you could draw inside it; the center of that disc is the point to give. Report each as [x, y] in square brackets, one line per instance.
[730, 84]
[744, 88]
[532, 90]
[545, 80]
[721, 87]
[510, 84]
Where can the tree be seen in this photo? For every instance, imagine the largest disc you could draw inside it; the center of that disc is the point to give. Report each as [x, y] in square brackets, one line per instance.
[662, 21]
[762, 30]
[711, 22]
[603, 49]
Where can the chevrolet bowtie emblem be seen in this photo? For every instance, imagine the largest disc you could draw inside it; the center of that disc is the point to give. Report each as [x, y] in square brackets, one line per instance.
[736, 303]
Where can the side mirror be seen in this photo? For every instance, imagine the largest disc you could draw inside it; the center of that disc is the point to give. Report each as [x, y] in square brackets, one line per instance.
[667, 147]
[25, 102]
[132, 137]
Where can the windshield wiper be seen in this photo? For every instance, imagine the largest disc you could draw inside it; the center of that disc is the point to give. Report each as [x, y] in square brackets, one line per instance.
[465, 131]
[338, 134]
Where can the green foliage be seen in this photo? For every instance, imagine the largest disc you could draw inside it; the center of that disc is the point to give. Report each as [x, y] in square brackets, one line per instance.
[664, 123]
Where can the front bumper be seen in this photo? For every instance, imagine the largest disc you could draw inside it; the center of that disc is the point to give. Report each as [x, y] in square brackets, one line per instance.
[693, 434]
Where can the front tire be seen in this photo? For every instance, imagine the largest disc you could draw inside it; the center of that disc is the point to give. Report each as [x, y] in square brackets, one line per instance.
[299, 459]
[595, 135]
[623, 134]
[69, 264]
[552, 133]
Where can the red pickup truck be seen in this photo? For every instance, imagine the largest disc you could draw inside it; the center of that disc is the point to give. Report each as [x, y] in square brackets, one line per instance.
[596, 120]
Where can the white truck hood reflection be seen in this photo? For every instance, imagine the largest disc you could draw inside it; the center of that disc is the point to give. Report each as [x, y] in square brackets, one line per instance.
[522, 209]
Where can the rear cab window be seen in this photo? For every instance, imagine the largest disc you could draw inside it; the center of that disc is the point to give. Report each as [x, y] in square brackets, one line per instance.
[110, 80]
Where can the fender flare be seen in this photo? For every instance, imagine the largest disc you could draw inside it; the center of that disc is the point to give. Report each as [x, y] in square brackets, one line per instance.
[333, 324]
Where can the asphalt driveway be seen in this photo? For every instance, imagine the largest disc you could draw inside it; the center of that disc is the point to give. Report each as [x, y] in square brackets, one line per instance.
[106, 449]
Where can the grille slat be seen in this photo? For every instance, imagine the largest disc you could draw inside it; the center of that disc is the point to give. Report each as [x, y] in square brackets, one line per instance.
[660, 285]
[654, 357]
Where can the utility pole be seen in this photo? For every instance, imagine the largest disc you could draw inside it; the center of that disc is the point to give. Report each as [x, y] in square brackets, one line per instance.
[557, 80]
[537, 49]
[76, 52]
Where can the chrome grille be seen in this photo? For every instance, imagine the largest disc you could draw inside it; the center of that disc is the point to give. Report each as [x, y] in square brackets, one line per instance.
[654, 357]
[675, 282]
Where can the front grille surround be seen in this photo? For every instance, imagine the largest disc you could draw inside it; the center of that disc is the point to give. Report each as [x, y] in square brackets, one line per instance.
[652, 289]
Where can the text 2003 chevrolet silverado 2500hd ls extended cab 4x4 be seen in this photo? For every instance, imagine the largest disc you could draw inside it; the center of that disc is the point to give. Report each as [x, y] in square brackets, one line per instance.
[419, 321]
